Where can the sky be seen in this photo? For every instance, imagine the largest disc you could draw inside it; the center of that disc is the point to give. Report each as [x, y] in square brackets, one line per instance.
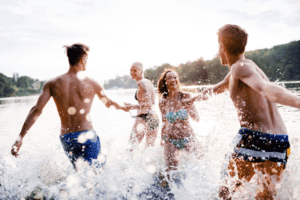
[120, 32]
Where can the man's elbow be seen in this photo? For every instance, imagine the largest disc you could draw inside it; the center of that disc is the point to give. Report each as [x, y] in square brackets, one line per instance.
[36, 110]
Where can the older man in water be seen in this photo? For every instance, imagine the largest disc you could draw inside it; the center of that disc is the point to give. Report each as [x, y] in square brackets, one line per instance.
[73, 94]
[261, 146]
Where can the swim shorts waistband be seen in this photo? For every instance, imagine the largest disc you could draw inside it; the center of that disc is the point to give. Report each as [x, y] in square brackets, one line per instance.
[74, 134]
[257, 146]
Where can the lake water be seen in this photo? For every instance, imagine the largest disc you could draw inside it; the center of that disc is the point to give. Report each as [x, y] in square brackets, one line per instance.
[42, 169]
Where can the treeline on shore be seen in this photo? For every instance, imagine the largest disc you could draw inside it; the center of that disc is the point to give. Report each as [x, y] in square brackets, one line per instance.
[280, 63]
[21, 86]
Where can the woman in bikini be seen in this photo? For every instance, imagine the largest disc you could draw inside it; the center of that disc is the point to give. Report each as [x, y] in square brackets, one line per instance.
[147, 121]
[177, 133]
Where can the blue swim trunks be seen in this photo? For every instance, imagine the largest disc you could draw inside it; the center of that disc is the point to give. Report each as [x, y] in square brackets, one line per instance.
[84, 144]
[256, 146]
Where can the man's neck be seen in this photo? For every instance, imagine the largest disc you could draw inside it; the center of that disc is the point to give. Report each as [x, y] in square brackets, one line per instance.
[233, 59]
[74, 69]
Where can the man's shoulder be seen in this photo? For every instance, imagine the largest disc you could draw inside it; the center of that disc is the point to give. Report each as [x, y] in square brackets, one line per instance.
[58, 78]
[242, 67]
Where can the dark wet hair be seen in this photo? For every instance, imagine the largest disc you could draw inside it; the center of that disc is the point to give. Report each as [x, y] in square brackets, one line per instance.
[162, 86]
[76, 52]
[234, 39]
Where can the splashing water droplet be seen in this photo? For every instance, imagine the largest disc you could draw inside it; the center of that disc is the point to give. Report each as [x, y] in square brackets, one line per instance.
[19, 139]
[151, 169]
[82, 138]
[112, 107]
[80, 75]
[86, 100]
[147, 159]
[103, 93]
[72, 111]
[81, 164]
[140, 127]
[104, 100]
[82, 111]
[89, 184]
[73, 192]
[104, 151]
[90, 173]
[90, 135]
[137, 187]
[72, 180]
[101, 158]
[129, 147]
[63, 195]
[88, 117]
[119, 157]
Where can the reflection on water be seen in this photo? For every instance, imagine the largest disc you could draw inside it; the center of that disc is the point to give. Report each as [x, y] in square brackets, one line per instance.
[44, 170]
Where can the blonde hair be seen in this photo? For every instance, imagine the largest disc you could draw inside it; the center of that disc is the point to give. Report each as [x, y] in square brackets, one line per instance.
[138, 64]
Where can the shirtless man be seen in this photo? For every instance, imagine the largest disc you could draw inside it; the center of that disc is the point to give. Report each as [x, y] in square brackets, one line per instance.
[147, 121]
[73, 94]
[262, 143]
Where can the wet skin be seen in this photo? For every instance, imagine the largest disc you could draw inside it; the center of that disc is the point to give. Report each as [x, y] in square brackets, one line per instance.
[180, 129]
[73, 94]
[146, 103]
[254, 98]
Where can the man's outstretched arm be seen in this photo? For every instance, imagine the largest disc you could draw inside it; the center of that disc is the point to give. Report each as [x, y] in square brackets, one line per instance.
[216, 89]
[107, 101]
[271, 91]
[34, 113]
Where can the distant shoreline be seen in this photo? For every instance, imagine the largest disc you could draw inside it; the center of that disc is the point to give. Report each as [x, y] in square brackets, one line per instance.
[190, 88]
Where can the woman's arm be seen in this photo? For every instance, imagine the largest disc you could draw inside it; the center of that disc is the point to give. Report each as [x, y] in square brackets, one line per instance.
[144, 98]
[104, 99]
[164, 121]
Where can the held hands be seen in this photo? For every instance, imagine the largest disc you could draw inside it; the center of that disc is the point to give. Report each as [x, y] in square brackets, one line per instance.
[124, 108]
[16, 147]
[202, 96]
[127, 106]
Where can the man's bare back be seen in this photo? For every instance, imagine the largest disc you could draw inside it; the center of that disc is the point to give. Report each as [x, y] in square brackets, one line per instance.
[255, 111]
[73, 98]
[73, 94]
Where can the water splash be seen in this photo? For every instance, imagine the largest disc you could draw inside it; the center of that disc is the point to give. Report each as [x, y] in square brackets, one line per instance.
[72, 110]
